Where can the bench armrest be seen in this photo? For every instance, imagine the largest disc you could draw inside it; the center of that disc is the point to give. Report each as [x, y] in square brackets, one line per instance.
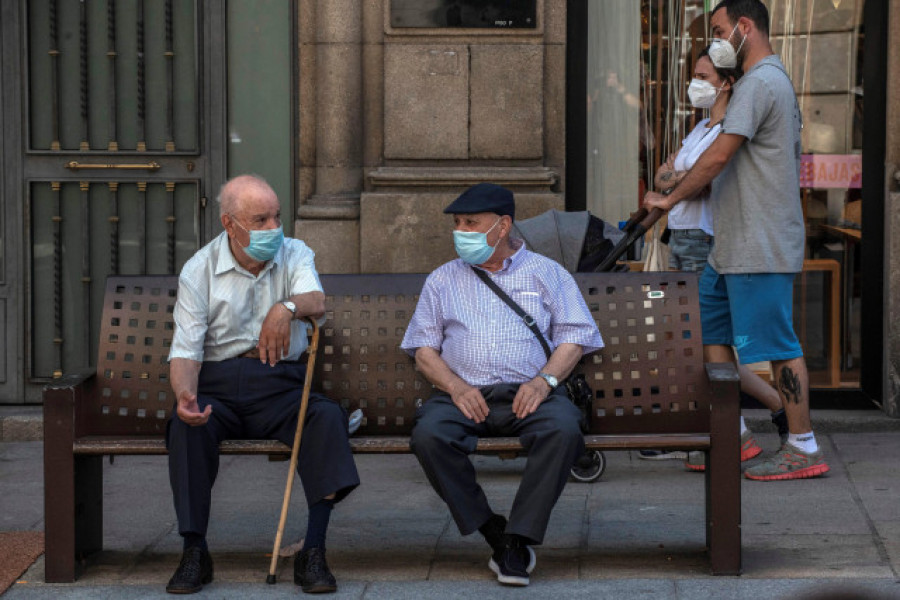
[722, 372]
[69, 380]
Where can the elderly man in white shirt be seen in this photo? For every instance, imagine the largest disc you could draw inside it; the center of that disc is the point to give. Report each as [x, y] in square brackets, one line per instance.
[236, 372]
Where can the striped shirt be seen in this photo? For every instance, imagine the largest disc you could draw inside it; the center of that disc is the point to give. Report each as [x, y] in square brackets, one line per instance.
[480, 338]
[221, 306]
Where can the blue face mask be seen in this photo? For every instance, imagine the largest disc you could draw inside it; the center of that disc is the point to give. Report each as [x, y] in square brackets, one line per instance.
[472, 246]
[264, 243]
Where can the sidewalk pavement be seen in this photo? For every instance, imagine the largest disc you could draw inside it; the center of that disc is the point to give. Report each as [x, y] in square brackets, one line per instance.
[636, 533]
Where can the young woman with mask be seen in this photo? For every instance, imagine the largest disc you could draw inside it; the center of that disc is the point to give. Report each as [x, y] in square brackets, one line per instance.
[691, 228]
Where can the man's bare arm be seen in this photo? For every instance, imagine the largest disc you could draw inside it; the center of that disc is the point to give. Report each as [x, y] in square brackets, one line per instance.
[275, 333]
[707, 167]
[184, 374]
[532, 393]
[467, 398]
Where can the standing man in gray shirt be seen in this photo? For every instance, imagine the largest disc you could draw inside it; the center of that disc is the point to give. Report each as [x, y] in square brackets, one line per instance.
[746, 290]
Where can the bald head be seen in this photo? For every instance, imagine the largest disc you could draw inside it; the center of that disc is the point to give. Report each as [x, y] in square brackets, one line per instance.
[238, 189]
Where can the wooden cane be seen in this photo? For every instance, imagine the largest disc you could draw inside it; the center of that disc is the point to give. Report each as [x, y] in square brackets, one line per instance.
[295, 450]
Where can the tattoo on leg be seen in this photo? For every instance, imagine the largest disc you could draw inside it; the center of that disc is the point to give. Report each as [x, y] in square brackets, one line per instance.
[789, 385]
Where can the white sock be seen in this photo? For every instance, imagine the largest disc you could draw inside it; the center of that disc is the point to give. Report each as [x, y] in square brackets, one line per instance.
[743, 426]
[804, 441]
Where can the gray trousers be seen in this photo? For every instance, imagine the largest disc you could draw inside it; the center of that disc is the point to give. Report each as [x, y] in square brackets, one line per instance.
[443, 438]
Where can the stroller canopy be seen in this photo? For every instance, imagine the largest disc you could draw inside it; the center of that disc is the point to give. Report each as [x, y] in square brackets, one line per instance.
[561, 236]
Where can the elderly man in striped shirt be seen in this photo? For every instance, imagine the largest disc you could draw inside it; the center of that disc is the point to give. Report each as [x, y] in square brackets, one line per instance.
[493, 377]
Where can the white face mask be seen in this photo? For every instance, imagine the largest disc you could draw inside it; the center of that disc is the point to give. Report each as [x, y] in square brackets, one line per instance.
[702, 93]
[722, 53]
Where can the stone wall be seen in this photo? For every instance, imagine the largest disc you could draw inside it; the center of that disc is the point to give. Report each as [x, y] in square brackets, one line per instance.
[395, 122]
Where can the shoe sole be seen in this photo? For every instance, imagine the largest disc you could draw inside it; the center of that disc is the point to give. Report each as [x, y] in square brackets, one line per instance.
[507, 579]
[804, 473]
[746, 455]
[319, 589]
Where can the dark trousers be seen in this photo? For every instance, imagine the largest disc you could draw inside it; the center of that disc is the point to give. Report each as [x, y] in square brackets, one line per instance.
[251, 400]
[443, 438]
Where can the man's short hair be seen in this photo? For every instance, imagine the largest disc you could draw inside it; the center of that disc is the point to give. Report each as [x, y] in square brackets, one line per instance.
[754, 10]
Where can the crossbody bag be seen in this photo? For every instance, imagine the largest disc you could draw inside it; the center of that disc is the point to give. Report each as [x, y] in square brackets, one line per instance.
[577, 388]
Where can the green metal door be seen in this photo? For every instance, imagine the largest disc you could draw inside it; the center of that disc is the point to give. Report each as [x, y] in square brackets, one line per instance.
[119, 121]
[116, 170]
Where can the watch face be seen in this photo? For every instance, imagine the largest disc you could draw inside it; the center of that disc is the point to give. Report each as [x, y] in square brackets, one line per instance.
[290, 306]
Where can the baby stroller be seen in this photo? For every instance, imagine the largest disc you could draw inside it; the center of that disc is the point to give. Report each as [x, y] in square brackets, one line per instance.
[582, 242]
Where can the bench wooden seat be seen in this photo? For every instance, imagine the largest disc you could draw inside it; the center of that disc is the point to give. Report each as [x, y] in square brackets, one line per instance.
[651, 390]
[388, 444]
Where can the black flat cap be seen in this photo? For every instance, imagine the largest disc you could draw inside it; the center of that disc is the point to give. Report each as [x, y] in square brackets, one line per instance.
[484, 197]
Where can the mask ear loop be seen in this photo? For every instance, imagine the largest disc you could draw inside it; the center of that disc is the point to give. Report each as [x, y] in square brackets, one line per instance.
[743, 39]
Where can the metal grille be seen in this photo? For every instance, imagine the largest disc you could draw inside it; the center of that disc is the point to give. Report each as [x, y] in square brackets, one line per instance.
[132, 369]
[81, 232]
[113, 75]
[650, 374]
[360, 363]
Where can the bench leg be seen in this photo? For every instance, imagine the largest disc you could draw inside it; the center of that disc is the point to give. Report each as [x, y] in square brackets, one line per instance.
[73, 490]
[88, 505]
[723, 475]
[73, 516]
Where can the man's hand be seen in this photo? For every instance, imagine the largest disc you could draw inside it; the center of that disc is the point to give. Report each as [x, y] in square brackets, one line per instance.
[189, 411]
[657, 200]
[275, 335]
[470, 402]
[529, 397]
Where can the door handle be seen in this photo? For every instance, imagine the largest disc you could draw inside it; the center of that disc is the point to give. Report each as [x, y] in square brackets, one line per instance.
[150, 166]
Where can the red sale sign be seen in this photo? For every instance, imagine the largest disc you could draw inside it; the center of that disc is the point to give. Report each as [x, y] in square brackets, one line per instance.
[830, 170]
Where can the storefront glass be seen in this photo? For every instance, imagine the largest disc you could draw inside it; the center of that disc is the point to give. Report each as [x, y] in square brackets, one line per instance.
[641, 58]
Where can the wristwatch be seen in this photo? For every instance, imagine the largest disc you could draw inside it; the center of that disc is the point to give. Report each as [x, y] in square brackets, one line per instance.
[550, 379]
[290, 306]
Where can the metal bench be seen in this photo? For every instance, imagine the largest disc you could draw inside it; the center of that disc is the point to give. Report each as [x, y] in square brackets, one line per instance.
[651, 390]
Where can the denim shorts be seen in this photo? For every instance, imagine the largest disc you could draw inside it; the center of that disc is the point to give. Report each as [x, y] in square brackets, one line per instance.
[750, 311]
[689, 249]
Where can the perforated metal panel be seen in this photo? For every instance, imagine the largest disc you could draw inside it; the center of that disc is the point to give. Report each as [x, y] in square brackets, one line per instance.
[650, 375]
[133, 392]
[360, 363]
[648, 379]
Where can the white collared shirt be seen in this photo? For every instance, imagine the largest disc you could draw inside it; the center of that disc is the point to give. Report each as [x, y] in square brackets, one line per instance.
[221, 306]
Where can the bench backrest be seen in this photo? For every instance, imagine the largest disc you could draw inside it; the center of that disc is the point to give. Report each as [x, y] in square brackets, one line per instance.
[648, 379]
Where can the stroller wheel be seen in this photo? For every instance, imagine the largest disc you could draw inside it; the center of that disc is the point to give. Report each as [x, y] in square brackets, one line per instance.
[589, 466]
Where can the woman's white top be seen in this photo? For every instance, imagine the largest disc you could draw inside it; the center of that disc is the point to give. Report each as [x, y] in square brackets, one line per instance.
[695, 213]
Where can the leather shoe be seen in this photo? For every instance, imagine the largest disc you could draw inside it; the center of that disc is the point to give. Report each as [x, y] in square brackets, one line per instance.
[195, 570]
[311, 572]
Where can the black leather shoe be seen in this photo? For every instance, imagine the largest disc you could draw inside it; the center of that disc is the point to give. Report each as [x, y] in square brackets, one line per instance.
[311, 572]
[195, 570]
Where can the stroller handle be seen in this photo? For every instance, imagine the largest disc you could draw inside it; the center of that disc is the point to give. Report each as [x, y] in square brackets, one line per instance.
[639, 223]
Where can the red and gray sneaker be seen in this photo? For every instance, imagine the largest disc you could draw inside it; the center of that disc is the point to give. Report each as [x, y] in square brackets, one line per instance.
[789, 463]
[749, 449]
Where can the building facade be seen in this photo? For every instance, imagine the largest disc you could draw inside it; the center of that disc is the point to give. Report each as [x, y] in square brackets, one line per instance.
[121, 118]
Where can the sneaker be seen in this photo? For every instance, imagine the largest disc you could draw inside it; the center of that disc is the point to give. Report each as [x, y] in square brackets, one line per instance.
[311, 572]
[749, 449]
[195, 570]
[514, 562]
[789, 463]
[663, 455]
